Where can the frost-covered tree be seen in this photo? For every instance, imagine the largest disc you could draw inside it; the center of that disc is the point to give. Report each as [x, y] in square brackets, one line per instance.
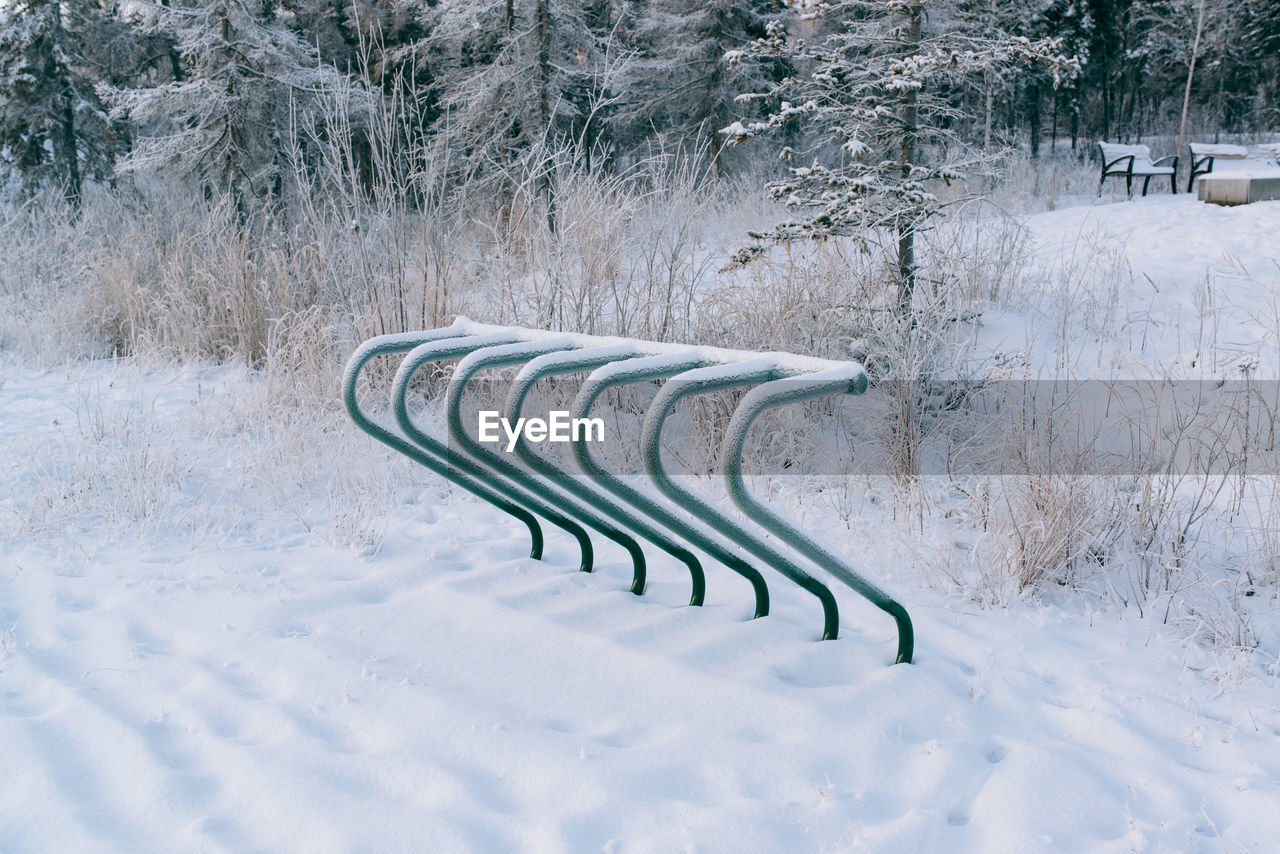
[1007, 97]
[53, 127]
[1260, 30]
[678, 81]
[512, 75]
[358, 36]
[248, 84]
[880, 101]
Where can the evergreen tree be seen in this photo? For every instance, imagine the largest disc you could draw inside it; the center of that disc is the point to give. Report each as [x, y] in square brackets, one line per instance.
[880, 97]
[679, 82]
[1260, 28]
[512, 75]
[53, 127]
[1008, 98]
[1072, 22]
[248, 83]
[358, 36]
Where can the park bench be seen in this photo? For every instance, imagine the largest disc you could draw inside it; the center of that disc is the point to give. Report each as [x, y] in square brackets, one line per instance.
[1130, 161]
[1205, 154]
[1234, 174]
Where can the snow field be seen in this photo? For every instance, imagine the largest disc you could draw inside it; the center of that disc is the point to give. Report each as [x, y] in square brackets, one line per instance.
[1162, 285]
[208, 679]
[230, 625]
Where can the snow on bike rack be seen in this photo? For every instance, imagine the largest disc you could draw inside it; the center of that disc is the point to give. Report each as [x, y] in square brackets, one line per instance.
[528, 484]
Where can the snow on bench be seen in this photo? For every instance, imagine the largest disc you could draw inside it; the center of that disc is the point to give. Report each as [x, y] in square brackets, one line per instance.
[1128, 161]
[1234, 174]
[1205, 155]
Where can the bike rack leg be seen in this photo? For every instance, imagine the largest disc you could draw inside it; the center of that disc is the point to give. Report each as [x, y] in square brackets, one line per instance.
[439, 351]
[643, 370]
[385, 345]
[703, 381]
[514, 354]
[577, 361]
[851, 380]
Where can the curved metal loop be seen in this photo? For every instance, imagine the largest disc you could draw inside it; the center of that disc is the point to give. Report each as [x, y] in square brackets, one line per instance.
[439, 351]
[518, 490]
[770, 395]
[514, 354]
[644, 370]
[429, 455]
[704, 381]
[575, 361]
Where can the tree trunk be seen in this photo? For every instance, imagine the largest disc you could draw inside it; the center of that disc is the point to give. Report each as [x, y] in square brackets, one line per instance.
[1075, 115]
[1033, 95]
[70, 151]
[175, 61]
[1106, 107]
[543, 14]
[713, 89]
[1191, 70]
[65, 147]
[1053, 135]
[910, 121]
[906, 267]
[990, 106]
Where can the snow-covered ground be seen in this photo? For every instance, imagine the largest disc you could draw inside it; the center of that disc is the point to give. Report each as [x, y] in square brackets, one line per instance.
[1162, 285]
[221, 630]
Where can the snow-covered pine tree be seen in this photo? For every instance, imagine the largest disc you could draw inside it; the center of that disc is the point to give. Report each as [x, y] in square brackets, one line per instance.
[358, 36]
[1261, 31]
[53, 127]
[248, 83]
[1070, 21]
[678, 81]
[1006, 98]
[511, 76]
[880, 97]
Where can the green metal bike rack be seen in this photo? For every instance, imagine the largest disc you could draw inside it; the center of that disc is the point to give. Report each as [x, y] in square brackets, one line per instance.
[558, 364]
[530, 484]
[438, 351]
[430, 455]
[770, 395]
[647, 370]
[703, 381]
[514, 354]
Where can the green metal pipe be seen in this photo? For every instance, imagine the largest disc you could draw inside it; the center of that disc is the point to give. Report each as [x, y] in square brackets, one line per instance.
[556, 364]
[515, 354]
[428, 456]
[438, 351]
[507, 486]
[645, 370]
[850, 380]
[704, 381]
